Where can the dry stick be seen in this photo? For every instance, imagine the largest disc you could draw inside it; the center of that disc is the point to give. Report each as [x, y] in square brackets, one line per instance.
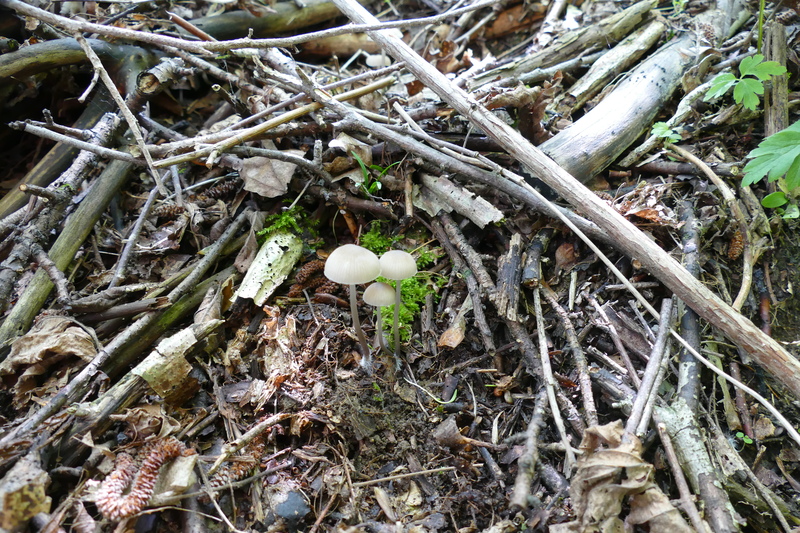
[75, 387]
[445, 237]
[130, 242]
[56, 276]
[245, 439]
[550, 383]
[689, 369]
[687, 498]
[623, 353]
[630, 239]
[515, 186]
[530, 455]
[249, 133]
[108, 153]
[580, 359]
[222, 46]
[722, 445]
[94, 59]
[570, 412]
[648, 390]
[470, 255]
[74, 26]
[752, 250]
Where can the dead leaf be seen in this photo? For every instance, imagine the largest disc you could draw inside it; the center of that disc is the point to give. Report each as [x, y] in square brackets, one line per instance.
[611, 472]
[268, 177]
[23, 493]
[52, 340]
[566, 256]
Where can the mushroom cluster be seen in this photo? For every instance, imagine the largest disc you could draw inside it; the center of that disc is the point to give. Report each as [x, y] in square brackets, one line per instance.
[352, 265]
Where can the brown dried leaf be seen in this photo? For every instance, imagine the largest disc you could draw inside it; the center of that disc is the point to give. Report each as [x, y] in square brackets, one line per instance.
[268, 177]
[566, 256]
[51, 341]
[610, 473]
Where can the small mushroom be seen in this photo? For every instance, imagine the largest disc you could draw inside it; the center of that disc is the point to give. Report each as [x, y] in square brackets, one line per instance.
[379, 295]
[349, 265]
[397, 265]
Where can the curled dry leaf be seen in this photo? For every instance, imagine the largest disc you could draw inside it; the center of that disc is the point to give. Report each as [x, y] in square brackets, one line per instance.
[611, 473]
[44, 349]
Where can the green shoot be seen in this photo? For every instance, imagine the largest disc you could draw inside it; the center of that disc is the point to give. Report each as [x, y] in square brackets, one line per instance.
[372, 186]
[749, 85]
[661, 129]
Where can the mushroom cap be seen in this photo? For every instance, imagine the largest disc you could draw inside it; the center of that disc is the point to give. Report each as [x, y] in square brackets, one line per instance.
[351, 264]
[379, 294]
[397, 264]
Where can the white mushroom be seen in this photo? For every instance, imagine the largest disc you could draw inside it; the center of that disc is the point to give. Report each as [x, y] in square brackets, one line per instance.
[379, 295]
[397, 265]
[349, 265]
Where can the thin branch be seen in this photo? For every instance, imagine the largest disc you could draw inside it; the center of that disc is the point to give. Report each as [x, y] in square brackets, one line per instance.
[123, 107]
[550, 383]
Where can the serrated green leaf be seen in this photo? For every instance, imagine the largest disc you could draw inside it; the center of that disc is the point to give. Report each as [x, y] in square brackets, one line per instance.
[745, 93]
[780, 163]
[778, 142]
[749, 63]
[768, 69]
[660, 129]
[720, 86]
[756, 169]
[774, 200]
[793, 175]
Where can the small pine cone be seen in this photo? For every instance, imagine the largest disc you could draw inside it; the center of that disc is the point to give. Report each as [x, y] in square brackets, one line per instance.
[222, 189]
[329, 287]
[736, 246]
[168, 211]
[787, 18]
[236, 470]
[110, 501]
[308, 270]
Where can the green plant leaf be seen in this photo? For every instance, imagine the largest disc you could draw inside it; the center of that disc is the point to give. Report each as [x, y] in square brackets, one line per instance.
[763, 70]
[793, 211]
[745, 93]
[774, 200]
[777, 143]
[720, 85]
[749, 63]
[774, 164]
[793, 175]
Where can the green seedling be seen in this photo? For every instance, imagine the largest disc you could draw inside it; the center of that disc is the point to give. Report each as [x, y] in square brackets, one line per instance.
[744, 438]
[754, 71]
[372, 185]
[662, 130]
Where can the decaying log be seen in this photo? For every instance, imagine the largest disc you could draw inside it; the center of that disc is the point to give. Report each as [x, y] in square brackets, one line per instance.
[599, 137]
[573, 44]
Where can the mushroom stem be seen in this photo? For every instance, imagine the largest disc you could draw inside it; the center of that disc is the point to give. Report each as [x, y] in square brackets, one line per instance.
[379, 327]
[397, 319]
[366, 356]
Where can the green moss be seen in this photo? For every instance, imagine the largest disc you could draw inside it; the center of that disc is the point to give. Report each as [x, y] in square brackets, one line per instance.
[377, 239]
[294, 219]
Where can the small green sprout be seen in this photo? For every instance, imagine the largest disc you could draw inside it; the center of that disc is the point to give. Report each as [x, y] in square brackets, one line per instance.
[744, 438]
[372, 186]
[662, 130]
[746, 88]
